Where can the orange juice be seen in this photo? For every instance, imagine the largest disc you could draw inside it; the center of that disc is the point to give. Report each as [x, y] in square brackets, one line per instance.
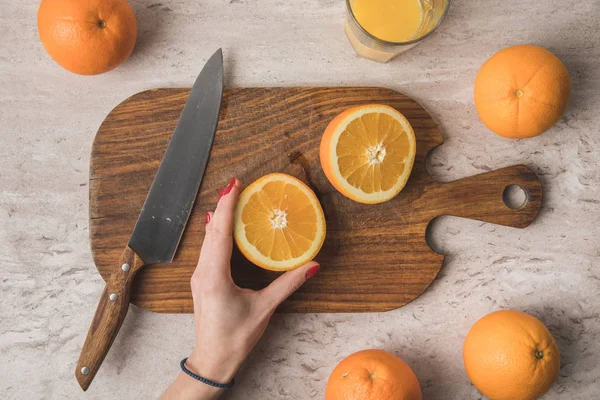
[390, 20]
[381, 29]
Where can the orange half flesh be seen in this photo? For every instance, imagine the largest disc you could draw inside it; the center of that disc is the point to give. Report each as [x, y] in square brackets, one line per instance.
[368, 152]
[279, 223]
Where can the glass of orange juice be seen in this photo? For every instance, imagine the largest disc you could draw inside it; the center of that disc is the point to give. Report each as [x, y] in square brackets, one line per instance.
[382, 29]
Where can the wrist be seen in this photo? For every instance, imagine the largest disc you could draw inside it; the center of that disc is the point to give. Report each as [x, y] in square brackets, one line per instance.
[187, 388]
[206, 366]
[212, 367]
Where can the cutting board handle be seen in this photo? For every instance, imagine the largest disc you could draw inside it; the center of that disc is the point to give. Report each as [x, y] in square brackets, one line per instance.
[110, 313]
[481, 197]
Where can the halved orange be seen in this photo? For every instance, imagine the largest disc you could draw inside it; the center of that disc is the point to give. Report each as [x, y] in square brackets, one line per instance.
[368, 152]
[279, 223]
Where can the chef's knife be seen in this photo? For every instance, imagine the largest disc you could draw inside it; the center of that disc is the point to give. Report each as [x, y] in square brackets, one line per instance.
[164, 215]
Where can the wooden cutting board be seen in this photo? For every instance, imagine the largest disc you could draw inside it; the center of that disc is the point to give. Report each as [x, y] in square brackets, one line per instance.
[375, 257]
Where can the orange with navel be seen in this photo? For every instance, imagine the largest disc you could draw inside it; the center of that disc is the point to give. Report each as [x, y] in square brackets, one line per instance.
[367, 153]
[279, 223]
[373, 375]
[510, 355]
[87, 37]
[521, 91]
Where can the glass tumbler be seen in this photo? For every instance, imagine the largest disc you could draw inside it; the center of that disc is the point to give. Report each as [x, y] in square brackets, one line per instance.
[371, 47]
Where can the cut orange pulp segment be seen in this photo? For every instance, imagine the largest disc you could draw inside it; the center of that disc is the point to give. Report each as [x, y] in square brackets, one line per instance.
[368, 152]
[279, 223]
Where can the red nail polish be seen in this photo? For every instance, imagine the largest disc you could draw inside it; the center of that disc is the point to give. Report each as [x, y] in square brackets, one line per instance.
[207, 217]
[312, 272]
[221, 193]
[229, 186]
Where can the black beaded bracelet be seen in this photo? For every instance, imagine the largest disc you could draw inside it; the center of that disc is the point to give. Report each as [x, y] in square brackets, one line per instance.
[204, 380]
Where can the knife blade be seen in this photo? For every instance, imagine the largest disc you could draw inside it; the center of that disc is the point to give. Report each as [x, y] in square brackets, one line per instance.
[164, 215]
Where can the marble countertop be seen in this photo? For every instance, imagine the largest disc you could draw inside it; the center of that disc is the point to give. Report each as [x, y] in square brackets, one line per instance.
[48, 117]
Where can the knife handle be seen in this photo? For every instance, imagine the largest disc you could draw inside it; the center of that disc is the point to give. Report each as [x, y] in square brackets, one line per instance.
[109, 316]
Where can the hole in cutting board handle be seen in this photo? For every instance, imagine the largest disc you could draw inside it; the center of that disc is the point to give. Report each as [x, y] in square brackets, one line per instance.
[515, 197]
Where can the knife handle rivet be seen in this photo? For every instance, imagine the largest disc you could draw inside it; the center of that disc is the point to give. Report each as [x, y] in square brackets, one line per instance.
[125, 267]
[85, 370]
[113, 297]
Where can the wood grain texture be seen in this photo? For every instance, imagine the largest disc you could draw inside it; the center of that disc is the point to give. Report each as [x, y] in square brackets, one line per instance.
[109, 316]
[375, 257]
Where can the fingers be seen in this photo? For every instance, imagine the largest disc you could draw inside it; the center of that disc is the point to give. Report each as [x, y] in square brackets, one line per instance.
[221, 224]
[282, 287]
[215, 255]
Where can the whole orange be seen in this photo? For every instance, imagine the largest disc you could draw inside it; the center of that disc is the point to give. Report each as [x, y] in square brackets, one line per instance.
[521, 91]
[372, 375]
[511, 355]
[87, 37]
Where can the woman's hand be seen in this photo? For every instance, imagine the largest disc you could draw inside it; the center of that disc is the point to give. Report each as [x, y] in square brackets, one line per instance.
[229, 320]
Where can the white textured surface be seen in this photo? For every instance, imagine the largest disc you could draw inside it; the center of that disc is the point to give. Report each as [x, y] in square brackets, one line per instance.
[49, 286]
